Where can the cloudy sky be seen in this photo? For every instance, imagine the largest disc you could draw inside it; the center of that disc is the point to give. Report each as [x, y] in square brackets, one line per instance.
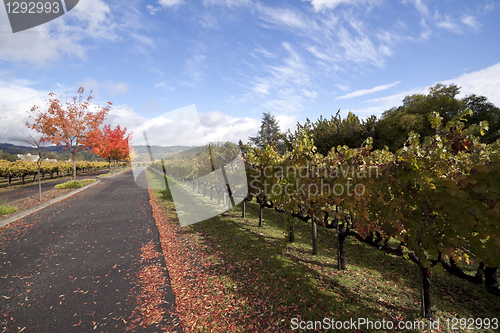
[235, 59]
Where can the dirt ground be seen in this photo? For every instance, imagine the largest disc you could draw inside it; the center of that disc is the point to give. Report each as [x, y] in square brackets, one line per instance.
[32, 201]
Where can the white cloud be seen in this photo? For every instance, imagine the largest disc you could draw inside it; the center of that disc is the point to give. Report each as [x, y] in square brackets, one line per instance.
[185, 127]
[283, 17]
[47, 43]
[113, 89]
[343, 87]
[125, 116]
[449, 25]
[228, 3]
[320, 5]
[36, 45]
[362, 92]
[170, 3]
[16, 99]
[420, 6]
[284, 83]
[359, 48]
[153, 10]
[212, 118]
[209, 21]
[118, 89]
[194, 69]
[309, 93]
[94, 20]
[265, 52]
[485, 82]
[286, 122]
[471, 21]
[232, 129]
[377, 106]
[262, 88]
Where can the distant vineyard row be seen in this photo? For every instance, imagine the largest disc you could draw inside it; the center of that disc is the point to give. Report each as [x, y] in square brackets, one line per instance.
[22, 169]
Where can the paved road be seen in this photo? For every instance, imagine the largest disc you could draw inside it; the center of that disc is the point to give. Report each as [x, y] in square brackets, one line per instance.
[72, 267]
[14, 194]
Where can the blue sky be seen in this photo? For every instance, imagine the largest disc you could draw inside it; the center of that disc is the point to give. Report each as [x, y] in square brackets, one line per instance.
[235, 59]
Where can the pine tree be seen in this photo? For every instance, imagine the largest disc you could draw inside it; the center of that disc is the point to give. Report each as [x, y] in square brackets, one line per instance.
[269, 133]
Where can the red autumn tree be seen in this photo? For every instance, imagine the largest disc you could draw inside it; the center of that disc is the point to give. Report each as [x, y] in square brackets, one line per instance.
[68, 124]
[110, 144]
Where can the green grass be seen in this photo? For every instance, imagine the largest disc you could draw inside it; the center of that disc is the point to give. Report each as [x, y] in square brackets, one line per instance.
[70, 184]
[75, 183]
[6, 209]
[297, 284]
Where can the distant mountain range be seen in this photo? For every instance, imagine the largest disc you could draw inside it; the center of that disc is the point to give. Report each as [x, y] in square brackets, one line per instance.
[13, 149]
[142, 151]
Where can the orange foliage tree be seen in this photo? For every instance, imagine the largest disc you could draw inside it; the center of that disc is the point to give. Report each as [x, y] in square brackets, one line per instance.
[110, 144]
[68, 124]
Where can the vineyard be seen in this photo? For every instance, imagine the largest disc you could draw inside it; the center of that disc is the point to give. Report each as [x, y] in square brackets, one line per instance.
[435, 202]
[22, 170]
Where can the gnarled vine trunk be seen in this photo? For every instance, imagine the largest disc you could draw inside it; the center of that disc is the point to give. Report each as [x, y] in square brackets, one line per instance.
[425, 291]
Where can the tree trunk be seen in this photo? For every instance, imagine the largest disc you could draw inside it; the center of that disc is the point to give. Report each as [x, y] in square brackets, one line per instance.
[341, 236]
[491, 279]
[244, 209]
[425, 292]
[73, 153]
[314, 236]
[261, 212]
[39, 183]
[291, 234]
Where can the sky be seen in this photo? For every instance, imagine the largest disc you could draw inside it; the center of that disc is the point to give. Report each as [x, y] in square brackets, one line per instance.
[232, 60]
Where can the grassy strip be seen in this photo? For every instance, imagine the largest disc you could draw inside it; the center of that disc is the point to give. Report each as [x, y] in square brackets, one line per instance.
[6, 209]
[74, 183]
[270, 286]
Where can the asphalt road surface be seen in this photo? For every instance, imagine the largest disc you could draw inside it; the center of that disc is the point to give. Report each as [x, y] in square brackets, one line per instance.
[72, 267]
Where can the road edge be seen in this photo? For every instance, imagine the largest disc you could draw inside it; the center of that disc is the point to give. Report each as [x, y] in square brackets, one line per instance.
[34, 209]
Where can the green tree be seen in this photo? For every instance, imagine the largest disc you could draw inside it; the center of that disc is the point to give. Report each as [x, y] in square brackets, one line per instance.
[334, 132]
[393, 128]
[484, 110]
[269, 133]
[7, 156]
